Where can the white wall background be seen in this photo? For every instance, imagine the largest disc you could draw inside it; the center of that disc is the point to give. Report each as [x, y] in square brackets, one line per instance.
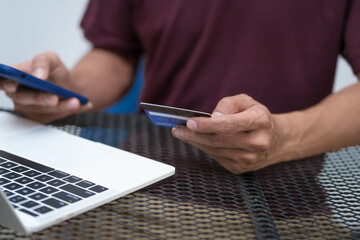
[344, 75]
[29, 27]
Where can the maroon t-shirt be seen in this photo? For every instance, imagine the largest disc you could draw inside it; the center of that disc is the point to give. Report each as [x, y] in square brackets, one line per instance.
[282, 53]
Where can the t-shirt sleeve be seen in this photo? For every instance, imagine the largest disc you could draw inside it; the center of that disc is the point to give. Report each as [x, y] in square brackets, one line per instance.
[108, 24]
[351, 50]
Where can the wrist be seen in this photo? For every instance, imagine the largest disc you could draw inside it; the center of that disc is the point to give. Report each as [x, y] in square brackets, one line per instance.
[288, 136]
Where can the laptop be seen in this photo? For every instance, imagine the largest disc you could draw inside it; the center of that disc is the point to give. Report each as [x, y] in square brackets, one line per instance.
[48, 175]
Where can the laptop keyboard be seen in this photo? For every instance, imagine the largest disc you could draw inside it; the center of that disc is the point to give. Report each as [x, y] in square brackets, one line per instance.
[36, 189]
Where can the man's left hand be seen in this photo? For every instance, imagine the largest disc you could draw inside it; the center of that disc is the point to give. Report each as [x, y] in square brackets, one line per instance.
[242, 135]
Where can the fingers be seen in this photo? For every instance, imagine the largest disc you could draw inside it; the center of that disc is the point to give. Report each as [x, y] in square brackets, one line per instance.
[24, 66]
[47, 114]
[228, 164]
[8, 86]
[234, 104]
[66, 105]
[250, 119]
[239, 113]
[32, 97]
[41, 106]
[236, 154]
[236, 167]
[240, 134]
[235, 161]
[41, 65]
[255, 141]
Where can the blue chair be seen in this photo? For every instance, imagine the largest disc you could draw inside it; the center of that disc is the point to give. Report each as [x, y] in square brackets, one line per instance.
[129, 103]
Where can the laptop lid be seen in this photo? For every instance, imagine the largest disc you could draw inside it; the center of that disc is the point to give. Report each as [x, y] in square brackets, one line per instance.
[8, 215]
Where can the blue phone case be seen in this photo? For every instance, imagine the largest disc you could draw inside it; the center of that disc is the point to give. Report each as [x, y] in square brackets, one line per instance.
[38, 84]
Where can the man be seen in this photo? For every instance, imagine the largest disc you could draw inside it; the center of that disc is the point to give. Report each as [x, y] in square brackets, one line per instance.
[264, 69]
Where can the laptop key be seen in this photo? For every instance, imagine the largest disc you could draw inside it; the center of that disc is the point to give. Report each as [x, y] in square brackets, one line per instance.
[20, 169]
[32, 173]
[56, 183]
[72, 179]
[98, 189]
[3, 171]
[54, 203]
[8, 165]
[24, 180]
[25, 191]
[4, 181]
[58, 174]
[36, 185]
[85, 184]
[11, 175]
[29, 204]
[44, 178]
[77, 191]
[49, 190]
[38, 196]
[43, 210]
[12, 186]
[17, 199]
[28, 212]
[8, 193]
[67, 197]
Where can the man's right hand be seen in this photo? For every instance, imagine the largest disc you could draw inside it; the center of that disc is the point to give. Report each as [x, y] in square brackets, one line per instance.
[40, 106]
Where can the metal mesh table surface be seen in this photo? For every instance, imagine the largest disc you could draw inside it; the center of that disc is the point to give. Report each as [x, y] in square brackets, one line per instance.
[313, 198]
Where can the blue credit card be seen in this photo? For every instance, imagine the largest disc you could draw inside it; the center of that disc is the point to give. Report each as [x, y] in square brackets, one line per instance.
[167, 116]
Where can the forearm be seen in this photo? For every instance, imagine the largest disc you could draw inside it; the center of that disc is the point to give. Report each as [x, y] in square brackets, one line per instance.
[332, 124]
[103, 77]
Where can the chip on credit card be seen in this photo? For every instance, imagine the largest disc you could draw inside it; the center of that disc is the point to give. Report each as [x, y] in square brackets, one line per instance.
[167, 116]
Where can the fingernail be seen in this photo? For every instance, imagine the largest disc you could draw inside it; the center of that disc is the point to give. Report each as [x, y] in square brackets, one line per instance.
[191, 124]
[217, 114]
[9, 86]
[89, 105]
[72, 104]
[178, 131]
[50, 99]
[39, 73]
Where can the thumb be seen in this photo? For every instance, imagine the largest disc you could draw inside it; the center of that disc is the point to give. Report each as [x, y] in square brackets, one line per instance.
[43, 64]
[41, 73]
[233, 105]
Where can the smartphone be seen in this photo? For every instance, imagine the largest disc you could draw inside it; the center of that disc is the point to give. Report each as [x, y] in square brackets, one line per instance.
[167, 116]
[30, 81]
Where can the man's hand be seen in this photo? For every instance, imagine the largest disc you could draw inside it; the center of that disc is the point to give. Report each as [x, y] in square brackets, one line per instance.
[41, 106]
[242, 135]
